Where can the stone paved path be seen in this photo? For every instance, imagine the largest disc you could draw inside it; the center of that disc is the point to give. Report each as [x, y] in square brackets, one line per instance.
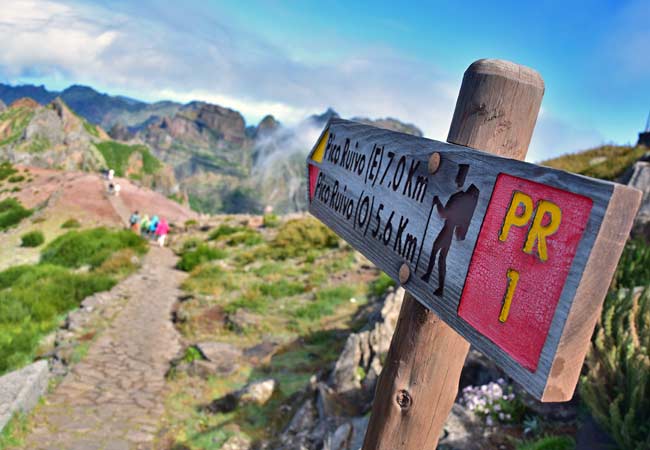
[113, 398]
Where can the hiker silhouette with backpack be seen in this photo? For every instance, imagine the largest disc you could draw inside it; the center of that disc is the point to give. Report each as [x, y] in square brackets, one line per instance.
[457, 214]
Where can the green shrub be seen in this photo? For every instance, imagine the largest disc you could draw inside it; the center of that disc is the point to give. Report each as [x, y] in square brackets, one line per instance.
[324, 303]
[282, 289]
[201, 254]
[549, 443]
[247, 237]
[12, 212]
[71, 223]
[32, 239]
[6, 170]
[32, 300]
[191, 222]
[634, 266]
[271, 220]
[616, 387]
[298, 236]
[223, 231]
[16, 178]
[90, 247]
[379, 286]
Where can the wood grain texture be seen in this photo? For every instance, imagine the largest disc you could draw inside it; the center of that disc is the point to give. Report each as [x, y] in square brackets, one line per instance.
[497, 108]
[587, 304]
[416, 347]
[419, 382]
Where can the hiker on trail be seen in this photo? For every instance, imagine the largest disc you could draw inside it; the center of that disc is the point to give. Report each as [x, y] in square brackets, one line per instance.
[111, 188]
[144, 225]
[111, 174]
[153, 225]
[117, 189]
[134, 221]
[161, 232]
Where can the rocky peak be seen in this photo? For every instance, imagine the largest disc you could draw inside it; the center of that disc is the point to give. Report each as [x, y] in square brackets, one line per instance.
[24, 102]
[227, 122]
[321, 119]
[119, 132]
[267, 126]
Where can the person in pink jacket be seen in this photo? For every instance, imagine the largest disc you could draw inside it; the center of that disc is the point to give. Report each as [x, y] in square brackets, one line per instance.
[161, 232]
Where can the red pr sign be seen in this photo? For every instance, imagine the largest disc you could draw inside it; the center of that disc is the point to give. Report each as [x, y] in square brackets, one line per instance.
[523, 255]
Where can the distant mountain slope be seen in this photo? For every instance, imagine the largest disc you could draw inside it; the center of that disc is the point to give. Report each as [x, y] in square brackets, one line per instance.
[54, 136]
[608, 162]
[223, 164]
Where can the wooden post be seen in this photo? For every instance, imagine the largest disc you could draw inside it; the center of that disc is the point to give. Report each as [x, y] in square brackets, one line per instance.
[496, 112]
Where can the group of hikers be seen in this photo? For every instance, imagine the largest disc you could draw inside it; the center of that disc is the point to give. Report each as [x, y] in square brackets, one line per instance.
[153, 228]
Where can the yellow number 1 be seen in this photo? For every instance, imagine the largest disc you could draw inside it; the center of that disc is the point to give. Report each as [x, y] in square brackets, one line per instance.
[513, 279]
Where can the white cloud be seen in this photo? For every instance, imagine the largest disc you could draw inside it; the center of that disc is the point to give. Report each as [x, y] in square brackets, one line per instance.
[157, 55]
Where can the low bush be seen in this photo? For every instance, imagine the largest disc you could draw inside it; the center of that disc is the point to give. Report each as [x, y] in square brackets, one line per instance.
[121, 263]
[90, 247]
[32, 300]
[634, 266]
[71, 223]
[201, 254]
[616, 387]
[282, 289]
[32, 239]
[16, 178]
[324, 303]
[246, 237]
[270, 220]
[549, 443]
[380, 286]
[12, 212]
[222, 231]
[298, 236]
[6, 170]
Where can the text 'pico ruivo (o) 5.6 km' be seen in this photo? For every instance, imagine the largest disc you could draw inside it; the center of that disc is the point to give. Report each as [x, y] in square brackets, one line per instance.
[503, 251]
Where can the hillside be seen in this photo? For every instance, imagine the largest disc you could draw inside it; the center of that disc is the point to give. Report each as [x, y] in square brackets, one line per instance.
[55, 137]
[57, 196]
[222, 163]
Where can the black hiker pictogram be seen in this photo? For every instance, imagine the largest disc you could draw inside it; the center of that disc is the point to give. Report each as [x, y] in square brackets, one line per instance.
[457, 214]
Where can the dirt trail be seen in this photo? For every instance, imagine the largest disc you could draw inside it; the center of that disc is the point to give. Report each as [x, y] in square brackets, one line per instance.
[112, 399]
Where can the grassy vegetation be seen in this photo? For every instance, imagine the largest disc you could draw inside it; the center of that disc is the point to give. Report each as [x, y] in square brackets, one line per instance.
[12, 212]
[299, 236]
[117, 157]
[616, 385]
[606, 162]
[36, 144]
[32, 300]
[16, 178]
[302, 302]
[634, 266]
[549, 443]
[90, 247]
[71, 223]
[32, 239]
[18, 119]
[6, 170]
[198, 255]
[271, 220]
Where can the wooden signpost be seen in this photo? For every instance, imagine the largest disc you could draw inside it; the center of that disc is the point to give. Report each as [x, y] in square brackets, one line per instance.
[514, 257]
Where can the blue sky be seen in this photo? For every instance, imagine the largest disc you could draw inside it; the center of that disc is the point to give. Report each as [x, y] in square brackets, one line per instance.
[373, 59]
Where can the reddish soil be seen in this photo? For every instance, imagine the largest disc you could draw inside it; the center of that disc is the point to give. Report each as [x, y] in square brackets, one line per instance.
[84, 196]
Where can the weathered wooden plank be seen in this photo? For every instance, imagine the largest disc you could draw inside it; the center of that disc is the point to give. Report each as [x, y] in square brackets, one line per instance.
[373, 188]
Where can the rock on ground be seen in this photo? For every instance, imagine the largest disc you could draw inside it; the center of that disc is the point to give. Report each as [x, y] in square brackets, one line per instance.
[21, 389]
